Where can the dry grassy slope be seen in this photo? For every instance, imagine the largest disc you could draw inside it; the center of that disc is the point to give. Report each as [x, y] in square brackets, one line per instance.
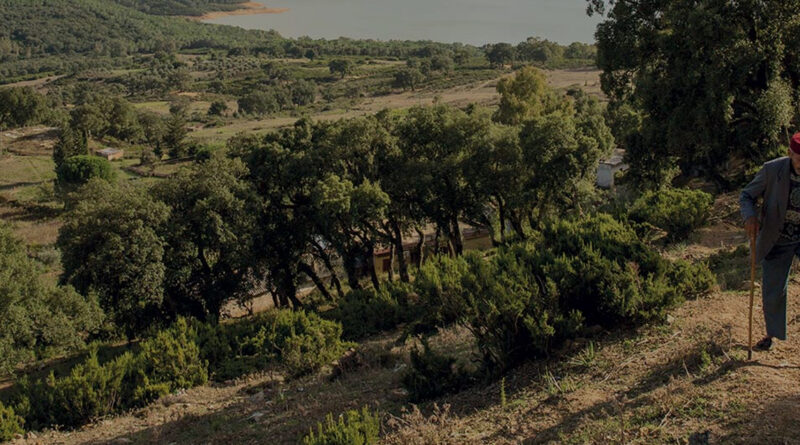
[687, 381]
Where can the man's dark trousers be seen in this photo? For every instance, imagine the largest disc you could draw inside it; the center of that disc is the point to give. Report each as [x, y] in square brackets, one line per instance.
[775, 282]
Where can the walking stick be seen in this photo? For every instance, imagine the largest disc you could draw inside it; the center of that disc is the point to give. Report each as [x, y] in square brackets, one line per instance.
[752, 292]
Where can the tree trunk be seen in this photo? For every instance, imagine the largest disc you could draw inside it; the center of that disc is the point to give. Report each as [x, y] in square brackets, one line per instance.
[533, 221]
[326, 259]
[391, 262]
[455, 236]
[308, 270]
[275, 300]
[287, 289]
[349, 262]
[516, 223]
[399, 251]
[370, 254]
[501, 213]
[420, 246]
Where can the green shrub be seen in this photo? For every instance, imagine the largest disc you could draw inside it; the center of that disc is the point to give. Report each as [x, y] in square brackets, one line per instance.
[600, 268]
[360, 428]
[691, 280]
[166, 362]
[432, 375]
[510, 314]
[529, 297]
[77, 170]
[88, 392]
[440, 288]
[10, 423]
[676, 211]
[302, 342]
[178, 358]
[228, 348]
[365, 312]
[171, 358]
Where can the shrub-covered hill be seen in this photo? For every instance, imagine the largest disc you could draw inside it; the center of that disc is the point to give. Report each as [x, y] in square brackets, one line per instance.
[30, 28]
[180, 7]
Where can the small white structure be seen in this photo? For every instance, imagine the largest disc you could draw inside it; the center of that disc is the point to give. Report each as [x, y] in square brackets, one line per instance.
[111, 153]
[607, 168]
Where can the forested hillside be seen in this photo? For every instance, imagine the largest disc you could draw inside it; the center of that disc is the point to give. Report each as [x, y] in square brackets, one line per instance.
[180, 7]
[30, 28]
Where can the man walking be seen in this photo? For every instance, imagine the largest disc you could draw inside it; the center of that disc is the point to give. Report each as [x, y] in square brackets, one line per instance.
[778, 232]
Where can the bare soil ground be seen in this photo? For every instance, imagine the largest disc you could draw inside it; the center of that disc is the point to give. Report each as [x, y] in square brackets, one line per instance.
[686, 381]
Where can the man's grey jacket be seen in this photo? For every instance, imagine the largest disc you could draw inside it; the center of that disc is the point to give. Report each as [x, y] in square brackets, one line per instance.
[772, 184]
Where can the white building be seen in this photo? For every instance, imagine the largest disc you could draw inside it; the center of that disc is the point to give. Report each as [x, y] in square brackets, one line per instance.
[608, 167]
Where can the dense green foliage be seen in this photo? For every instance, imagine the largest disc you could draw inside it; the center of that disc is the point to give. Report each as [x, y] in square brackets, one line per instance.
[10, 423]
[713, 81]
[367, 311]
[20, 107]
[360, 428]
[112, 247]
[527, 298]
[209, 256]
[179, 357]
[180, 7]
[302, 342]
[71, 142]
[165, 363]
[676, 211]
[184, 248]
[78, 170]
[37, 320]
[542, 52]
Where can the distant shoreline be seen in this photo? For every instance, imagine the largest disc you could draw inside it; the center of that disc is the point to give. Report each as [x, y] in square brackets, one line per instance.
[248, 8]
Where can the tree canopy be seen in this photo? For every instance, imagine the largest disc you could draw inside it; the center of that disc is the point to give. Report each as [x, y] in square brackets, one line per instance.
[112, 246]
[77, 170]
[37, 320]
[713, 80]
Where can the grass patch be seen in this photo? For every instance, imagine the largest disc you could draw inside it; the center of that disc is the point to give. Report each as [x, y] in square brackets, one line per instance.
[732, 268]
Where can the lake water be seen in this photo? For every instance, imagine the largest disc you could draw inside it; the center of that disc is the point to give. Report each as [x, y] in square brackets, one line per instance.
[468, 21]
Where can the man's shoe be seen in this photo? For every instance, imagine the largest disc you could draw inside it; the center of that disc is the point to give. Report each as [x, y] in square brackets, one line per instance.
[764, 344]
